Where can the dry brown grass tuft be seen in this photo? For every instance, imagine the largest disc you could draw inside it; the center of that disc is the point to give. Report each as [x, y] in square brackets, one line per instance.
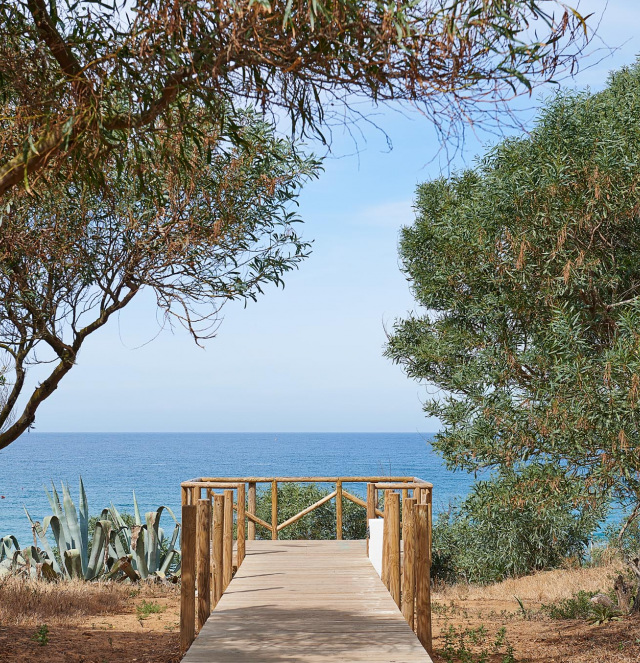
[25, 602]
[543, 587]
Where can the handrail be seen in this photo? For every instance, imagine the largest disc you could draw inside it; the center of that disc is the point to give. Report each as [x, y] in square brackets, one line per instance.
[207, 538]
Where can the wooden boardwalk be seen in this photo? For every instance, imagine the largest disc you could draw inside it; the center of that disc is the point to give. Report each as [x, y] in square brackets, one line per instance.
[306, 602]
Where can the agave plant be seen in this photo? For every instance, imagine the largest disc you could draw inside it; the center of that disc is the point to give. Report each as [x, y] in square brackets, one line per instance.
[145, 545]
[8, 546]
[70, 528]
[29, 561]
[137, 551]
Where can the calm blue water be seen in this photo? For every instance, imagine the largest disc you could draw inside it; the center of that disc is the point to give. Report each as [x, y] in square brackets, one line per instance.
[154, 464]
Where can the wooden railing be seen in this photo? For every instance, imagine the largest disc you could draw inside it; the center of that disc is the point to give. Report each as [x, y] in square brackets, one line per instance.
[208, 535]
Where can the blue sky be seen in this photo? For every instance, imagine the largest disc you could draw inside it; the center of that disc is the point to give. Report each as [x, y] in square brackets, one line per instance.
[309, 357]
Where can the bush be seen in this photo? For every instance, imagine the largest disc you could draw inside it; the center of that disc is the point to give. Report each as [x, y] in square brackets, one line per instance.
[514, 524]
[319, 524]
[579, 606]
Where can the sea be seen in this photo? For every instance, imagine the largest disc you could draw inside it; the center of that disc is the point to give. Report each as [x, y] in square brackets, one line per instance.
[113, 465]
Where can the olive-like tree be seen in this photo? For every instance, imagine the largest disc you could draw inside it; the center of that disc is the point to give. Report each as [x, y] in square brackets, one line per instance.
[82, 79]
[528, 268]
[216, 225]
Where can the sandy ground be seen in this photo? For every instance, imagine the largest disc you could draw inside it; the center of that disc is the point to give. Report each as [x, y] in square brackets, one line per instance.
[110, 630]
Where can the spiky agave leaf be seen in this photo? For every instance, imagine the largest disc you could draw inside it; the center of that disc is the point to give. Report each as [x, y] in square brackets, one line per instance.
[84, 520]
[56, 507]
[138, 550]
[154, 541]
[73, 563]
[73, 525]
[99, 550]
[44, 542]
[171, 552]
[6, 545]
[136, 510]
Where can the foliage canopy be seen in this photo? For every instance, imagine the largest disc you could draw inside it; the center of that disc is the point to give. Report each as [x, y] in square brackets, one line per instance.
[82, 78]
[527, 266]
[320, 523]
[215, 225]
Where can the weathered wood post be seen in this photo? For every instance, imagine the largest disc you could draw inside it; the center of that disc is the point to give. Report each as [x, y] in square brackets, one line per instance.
[338, 510]
[371, 508]
[251, 508]
[188, 581]
[227, 536]
[408, 564]
[423, 576]
[393, 551]
[204, 561]
[274, 510]
[384, 576]
[218, 547]
[241, 533]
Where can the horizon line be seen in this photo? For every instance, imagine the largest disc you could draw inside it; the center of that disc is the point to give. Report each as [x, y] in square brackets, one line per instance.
[223, 432]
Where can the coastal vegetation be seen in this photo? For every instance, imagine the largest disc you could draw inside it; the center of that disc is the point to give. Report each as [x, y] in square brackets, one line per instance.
[75, 254]
[111, 546]
[88, 83]
[320, 523]
[527, 269]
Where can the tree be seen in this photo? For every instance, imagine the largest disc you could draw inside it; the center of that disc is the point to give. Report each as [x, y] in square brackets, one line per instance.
[215, 225]
[82, 81]
[528, 267]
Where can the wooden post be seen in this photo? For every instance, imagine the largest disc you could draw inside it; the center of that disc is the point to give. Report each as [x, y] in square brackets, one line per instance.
[218, 547]
[188, 581]
[423, 576]
[339, 510]
[371, 508]
[408, 564]
[251, 507]
[241, 523]
[385, 541]
[204, 561]
[184, 495]
[195, 495]
[393, 551]
[371, 502]
[227, 540]
[274, 510]
[429, 525]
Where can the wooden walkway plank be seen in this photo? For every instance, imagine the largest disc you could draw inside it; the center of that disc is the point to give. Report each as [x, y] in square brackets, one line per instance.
[306, 602]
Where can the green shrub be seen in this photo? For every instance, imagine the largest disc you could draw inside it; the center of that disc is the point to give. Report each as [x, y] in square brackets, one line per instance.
[147, 608]
[41, 636]
[514, 524]
[473, 645]
[319, 524]
[579, 606]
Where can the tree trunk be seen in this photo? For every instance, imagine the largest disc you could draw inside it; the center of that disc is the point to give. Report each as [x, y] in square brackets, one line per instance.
[623, 592]
[634, 563]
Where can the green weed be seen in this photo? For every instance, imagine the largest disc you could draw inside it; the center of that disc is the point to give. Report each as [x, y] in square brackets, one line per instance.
[147, 608]
[473, 645]
[41, 636]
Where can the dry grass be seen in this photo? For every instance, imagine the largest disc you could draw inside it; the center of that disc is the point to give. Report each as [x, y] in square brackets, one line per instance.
[31, 602]
[543, 587]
